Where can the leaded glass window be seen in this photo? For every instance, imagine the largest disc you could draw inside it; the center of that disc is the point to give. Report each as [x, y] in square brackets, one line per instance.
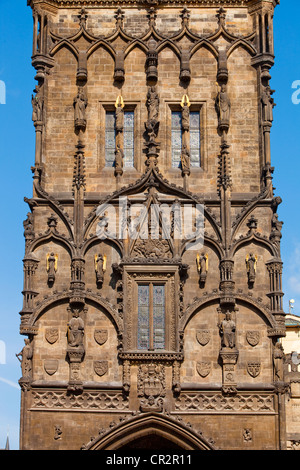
[195, 138]
[151, 316]
[159, 317]
[143, 317]
[128, 139]
[176, 139]
[110, 138]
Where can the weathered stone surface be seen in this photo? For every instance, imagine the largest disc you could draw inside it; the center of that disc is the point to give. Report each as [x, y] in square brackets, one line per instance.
[90, 356]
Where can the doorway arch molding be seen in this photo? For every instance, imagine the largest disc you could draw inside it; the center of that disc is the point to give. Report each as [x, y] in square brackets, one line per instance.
[147, 424]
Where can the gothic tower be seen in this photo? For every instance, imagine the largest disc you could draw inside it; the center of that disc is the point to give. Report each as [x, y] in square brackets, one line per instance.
[152, 270]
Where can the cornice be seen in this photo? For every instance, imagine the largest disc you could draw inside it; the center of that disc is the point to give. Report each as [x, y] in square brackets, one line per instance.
[149, 3]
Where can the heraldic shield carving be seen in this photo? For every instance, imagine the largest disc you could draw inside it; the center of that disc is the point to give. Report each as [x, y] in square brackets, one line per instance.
[51, 366]
[253, 368]
[203, 368]
[101, 336]
[203, 337]
[101, 367]
[253, 337]
[51, 335]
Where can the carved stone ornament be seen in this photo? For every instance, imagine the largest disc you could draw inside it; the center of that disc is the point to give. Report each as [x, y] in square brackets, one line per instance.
[152, 249]
[101, 367]
[203, 368]
[51, 366]
[253, 337]
[25, 358]
[52, 260]
[253, 368]
[101, 336]
[203, 337]
[247, 435]
[51, 335]
[57, 433]
[151, 386]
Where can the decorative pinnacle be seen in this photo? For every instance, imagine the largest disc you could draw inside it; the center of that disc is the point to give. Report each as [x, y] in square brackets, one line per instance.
[221, 15]
[82, 18]
[152, 16]
[119, 15]
[185, 15]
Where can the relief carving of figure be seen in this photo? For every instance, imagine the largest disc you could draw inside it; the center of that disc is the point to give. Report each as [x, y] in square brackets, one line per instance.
[26, 356]
[75, 330]
[228, 331]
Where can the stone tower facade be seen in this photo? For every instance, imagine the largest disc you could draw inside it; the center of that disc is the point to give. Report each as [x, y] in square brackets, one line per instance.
[152, 270]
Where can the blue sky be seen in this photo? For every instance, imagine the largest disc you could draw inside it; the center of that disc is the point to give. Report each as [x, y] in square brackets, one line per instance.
[17, 157]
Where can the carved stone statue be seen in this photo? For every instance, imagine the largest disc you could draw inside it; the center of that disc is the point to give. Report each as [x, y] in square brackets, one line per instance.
[276, 227]
[185, 116]
[76, 331]
[119, 159]
[119, 114]
[202, 264]
[228, 330]
[28, 226]
[251, 262]
[100, 268]
[80, 104]
[26, 362]
[267, 105]
[185, 159]
[37, 106]
[278, 355]
[51, 267]
[223, 108]
[152, 104]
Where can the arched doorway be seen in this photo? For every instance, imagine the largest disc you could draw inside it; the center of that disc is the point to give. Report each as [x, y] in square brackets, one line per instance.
[151, 442]
[151, 431]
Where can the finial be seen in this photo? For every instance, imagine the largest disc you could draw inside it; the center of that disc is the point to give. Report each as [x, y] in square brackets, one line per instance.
[82, 18]
[119, 15]
[152, 16]
[221, 15]
[185, 15]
